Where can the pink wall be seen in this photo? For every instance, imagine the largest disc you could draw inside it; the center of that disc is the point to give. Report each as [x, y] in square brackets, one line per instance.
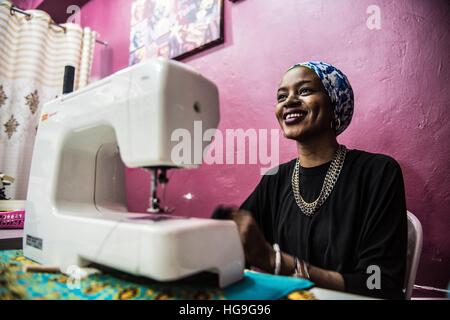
[27, 4]
[400, 76]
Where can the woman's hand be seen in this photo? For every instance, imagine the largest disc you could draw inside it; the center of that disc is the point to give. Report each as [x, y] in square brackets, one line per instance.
[258, 252]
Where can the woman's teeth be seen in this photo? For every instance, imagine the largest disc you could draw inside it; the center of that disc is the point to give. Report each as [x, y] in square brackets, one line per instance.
[293, 118]
[293, 115]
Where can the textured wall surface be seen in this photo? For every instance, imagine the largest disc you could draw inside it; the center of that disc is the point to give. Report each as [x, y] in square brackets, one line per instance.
[27, 4]
[400, 76]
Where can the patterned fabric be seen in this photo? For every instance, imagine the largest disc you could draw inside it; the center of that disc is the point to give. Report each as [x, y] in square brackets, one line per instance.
[17, 284]
[114, 285]
[338, 88]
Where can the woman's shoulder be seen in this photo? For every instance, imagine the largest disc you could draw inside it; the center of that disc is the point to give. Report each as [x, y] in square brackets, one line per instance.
[373, 161]
[280, 170]
[277, 175]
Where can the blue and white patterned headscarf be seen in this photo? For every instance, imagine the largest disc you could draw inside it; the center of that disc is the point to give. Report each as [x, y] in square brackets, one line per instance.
[338, 88]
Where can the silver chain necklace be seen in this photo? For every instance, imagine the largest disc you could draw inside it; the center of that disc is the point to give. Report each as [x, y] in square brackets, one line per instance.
[309, 208]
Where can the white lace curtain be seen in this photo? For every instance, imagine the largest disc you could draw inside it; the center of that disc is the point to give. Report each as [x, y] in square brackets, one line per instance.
[33, 53]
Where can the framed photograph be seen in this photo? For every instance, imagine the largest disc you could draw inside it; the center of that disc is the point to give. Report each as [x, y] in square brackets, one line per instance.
[174, 29]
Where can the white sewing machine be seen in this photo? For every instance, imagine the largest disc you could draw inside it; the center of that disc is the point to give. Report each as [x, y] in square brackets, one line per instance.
[76, 208]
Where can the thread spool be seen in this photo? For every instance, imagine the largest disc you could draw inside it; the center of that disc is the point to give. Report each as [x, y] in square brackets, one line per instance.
[69, 78]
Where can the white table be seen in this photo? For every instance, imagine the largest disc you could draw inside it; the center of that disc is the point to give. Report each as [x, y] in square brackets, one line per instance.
[325, 294]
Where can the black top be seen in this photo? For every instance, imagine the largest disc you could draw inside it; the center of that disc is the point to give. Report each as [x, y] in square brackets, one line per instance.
[362, 223]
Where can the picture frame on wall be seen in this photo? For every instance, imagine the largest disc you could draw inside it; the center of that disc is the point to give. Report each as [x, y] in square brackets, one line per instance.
[174, 29]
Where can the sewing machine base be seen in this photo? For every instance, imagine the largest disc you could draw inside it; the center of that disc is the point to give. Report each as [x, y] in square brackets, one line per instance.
[160, 247]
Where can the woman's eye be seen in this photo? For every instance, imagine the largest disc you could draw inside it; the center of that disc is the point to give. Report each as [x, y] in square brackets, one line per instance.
[281, 97]
[303, 91]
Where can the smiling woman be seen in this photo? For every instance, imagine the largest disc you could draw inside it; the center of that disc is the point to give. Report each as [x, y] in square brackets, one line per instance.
[333, 215]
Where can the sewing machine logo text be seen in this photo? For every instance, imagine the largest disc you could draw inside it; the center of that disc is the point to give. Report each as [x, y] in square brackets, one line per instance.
[47, 115]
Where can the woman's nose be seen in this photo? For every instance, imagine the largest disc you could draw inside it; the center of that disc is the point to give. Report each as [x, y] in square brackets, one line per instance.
[291, 99]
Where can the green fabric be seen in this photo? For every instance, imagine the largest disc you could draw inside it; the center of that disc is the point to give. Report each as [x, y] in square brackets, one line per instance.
[113, 285]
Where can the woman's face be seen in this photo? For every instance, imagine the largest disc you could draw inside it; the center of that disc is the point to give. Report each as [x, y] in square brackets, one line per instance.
[303, 107]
